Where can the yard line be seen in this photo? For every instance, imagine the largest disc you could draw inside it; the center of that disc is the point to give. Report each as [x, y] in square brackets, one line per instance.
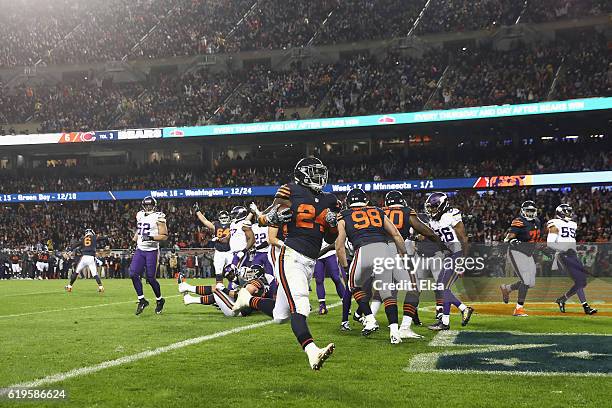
[74, 308]
[78, 372]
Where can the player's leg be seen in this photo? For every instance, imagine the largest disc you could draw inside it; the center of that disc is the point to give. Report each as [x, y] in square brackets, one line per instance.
[224, 301]
[152, 263]
[198, 300]
[219, 259]
[333, 271]
[524, 266]
[75, 274]
[319, 275]
[137, 267]
[576, 270]
[357, 281]
[90, 262]
[346, 303]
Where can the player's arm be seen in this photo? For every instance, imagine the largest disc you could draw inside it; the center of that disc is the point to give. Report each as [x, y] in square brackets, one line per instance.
[209, 225]
[250, 237]
[340, 248]
[552, 237]
[162, 232]
[423, 230]
[326, 249]
[463, 238]
[273, 237]
[393, 232]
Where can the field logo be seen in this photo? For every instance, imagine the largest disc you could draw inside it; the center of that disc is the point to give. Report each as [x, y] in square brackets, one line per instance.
[516, 353]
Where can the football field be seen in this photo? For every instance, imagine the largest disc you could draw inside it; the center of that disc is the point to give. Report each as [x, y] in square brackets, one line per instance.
[93, 346]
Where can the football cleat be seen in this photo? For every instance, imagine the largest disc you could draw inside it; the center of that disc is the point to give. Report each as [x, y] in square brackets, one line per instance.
[439, 326]
[317, 360]
[242, 301]
[519, 312]
[322, 309]
[561, 303]
[405, 332]
[466, 315]
[101, 289]
[183, 287]
[345, 326]
[395, 337]
[160, 306]
[358, 318]
[505, 293]
[142, 303]
[68, 288]
[589, 310]
[370, 325]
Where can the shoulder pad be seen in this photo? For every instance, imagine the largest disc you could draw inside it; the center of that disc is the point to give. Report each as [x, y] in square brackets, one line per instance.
[517, 222]
[283, 192]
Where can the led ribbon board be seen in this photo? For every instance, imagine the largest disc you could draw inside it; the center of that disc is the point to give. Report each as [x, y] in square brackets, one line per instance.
[558, 179]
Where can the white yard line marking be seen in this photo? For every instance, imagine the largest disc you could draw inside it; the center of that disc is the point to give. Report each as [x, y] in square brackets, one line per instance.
[66, 309]
[78, 372]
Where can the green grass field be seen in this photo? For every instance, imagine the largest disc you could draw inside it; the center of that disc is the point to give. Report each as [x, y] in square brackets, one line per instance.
[46, 332]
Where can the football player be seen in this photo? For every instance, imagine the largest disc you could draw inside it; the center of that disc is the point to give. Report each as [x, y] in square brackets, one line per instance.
[15, 265]
[253, 278]
[407, 222]
[242, 238]
[448, 225]
[524, 232]
[221, 235]
[562, 239]
[87, 248]
[261, 245]
[327, 265]
[369, 231]
[42, 264]
[310, 216]
[152, 230]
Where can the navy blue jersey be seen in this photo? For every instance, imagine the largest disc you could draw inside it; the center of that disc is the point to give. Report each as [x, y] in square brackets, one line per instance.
[400, 217]
[526, 231]
[364, 225]
[86, 246]
[307, 227]
[221, 231]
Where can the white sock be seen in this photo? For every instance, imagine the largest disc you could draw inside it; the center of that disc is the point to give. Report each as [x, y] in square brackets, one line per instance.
[311, 349]
[190, 288]
[446, 319]
[158, 298]
[462, 307]
[321, 300]
[140, 297]
[375, 306]
[393, 327]
[68, 286]
[190, 300]
[406, 321]
[517, 306]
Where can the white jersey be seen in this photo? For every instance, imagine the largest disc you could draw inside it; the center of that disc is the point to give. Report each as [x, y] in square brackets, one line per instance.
[238, 241]
[328, 253]
[445, 228]
[261, 236]
[566, 234]
[147, 226]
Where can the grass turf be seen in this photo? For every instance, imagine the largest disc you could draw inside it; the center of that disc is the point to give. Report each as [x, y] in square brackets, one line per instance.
[45, 331]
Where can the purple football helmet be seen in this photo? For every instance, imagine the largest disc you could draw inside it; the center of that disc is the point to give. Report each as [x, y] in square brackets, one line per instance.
[436, 205]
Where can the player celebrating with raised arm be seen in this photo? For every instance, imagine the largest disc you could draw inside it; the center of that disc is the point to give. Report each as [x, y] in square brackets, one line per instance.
[151, 231]
[87, 247]
[309, 215]
[562, 238]
[448, 224]
[221, 236]
[523, 234]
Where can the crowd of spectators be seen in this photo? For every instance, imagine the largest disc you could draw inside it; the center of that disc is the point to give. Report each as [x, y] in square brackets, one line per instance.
[486, 215]
[412, 162]
[71, 32]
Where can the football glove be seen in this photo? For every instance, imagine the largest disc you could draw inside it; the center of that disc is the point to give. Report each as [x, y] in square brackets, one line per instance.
[278, 217]
[331, 218]
[146, 238]
[253, 208]
[196, 207]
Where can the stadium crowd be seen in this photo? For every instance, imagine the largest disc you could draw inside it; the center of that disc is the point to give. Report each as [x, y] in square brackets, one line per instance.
[487, 216]
[410, 162]
[358, 85]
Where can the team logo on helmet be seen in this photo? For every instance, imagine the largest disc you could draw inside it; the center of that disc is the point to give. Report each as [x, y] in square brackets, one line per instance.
[356, 197]
[149, 204]
[239, 213]
[529, 210]
[394, 197]
[564, 212]
[312, 173]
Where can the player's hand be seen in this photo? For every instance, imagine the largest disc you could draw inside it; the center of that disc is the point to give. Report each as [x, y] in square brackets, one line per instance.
[285, 215]
[196, 207]
[331, 218]
[253, 208]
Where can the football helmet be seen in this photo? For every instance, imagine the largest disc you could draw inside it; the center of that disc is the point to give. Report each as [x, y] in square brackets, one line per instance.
[89, 231]
[239, 213]
[394, 198]
[224, 217]
[529, 210]
[248, 273]
[149, 204]
[310, 172]
[356, 197]
[564, 212]
[436, 204]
